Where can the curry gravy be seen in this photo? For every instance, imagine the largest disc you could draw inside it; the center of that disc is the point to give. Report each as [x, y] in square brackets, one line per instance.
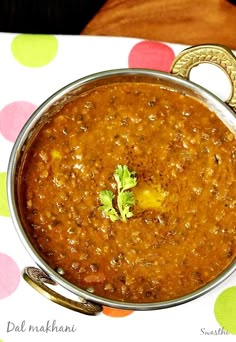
[183, 231]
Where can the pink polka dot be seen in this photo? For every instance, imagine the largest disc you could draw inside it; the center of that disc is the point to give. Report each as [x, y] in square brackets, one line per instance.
[9, 276]
[13, 116]
[151, 55]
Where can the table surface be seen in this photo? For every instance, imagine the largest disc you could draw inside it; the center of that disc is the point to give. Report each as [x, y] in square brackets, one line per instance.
[177, 21]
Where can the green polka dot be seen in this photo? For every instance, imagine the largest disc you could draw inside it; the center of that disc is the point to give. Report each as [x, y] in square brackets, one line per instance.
[34, 50]
[4, 211]
[225, 309]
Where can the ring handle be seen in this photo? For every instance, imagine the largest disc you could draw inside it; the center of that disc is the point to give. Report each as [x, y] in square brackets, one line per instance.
[37, 279]
[216, 54]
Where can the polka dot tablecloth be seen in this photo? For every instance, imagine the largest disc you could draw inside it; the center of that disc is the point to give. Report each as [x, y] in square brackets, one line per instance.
[32, 67]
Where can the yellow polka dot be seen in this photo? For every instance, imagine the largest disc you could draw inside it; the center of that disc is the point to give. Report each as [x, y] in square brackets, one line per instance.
[34, 50]
[225, 309]
[4, 211]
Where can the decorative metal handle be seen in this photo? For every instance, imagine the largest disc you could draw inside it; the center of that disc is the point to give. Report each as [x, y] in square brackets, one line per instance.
[219, 55]
[37, 279]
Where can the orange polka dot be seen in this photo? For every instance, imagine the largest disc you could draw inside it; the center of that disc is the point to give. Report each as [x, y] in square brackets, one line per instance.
[112, 312]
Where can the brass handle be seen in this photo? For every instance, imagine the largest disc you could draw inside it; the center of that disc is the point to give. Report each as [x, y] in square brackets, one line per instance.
[219, 55]
[37, 279]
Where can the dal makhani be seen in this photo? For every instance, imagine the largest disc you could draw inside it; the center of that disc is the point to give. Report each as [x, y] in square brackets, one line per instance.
[180, 229]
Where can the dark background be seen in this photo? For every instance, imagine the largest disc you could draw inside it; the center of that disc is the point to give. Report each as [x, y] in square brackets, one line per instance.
[47, 16]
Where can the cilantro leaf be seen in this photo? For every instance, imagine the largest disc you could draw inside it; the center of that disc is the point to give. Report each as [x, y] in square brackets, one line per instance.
[125, 180]
[106, 198]
[125, 202]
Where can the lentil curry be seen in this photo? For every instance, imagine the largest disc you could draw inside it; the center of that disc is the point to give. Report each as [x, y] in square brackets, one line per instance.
[183, 229]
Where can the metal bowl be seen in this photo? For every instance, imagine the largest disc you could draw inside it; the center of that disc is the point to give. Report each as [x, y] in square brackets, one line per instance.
[178, 78]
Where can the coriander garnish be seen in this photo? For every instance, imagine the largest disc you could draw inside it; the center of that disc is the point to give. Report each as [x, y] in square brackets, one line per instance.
[125, 180]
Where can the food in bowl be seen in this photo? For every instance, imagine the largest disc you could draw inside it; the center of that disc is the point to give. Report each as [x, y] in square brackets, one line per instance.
[176, 229]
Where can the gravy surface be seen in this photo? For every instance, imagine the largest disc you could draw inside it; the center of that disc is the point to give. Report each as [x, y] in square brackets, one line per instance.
[183, 232]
